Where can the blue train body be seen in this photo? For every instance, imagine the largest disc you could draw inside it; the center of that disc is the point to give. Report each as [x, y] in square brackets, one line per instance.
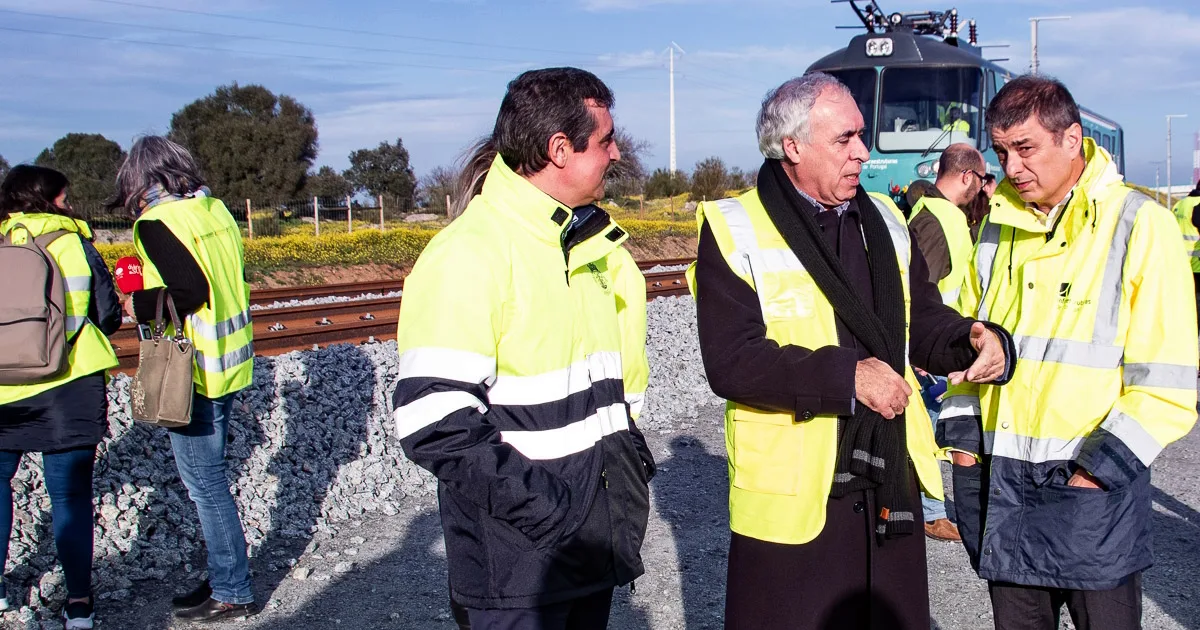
[920, 88]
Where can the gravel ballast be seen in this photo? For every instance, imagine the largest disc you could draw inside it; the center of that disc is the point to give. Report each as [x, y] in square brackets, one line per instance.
[344, 531]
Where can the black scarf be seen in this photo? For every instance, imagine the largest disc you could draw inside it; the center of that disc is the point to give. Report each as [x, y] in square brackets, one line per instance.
[872, 453]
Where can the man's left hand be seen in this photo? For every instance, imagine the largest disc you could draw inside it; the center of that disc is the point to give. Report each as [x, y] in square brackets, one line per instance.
[129, 305]
[1084, 479]
[989, 365]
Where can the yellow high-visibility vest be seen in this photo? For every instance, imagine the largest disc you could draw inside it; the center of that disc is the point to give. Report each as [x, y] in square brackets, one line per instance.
[958, 241]
[780, 466]
[1191, 236]
[221, 330]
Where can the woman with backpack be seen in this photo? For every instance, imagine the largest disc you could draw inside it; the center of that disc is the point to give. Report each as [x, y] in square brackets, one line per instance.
[191, 252]
[65, 415]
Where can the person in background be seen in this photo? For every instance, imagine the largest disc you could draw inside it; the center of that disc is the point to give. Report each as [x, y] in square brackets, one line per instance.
[1187, 214]
[191, 248]
[939, 226]
[979, 207]
[1052, 474]
[63, 418]
[523, 405]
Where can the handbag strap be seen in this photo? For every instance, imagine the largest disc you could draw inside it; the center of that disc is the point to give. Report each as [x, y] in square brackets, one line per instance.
[164, 296]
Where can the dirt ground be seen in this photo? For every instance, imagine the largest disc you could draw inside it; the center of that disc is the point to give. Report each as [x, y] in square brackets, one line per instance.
[668, 247]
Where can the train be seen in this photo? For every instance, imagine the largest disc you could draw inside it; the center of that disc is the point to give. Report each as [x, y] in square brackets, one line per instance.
[921, 86]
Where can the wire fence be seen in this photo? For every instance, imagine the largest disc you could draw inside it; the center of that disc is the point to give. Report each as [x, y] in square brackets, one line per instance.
[315, 216]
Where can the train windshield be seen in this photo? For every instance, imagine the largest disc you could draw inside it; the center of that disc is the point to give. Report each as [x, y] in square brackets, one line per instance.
[928, 109]
[862, 86]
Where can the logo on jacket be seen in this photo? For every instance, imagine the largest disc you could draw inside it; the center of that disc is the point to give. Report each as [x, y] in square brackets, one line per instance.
[1064, 290]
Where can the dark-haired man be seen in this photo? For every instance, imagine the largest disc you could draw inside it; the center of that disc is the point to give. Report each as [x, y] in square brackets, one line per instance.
[1052, 488]
[522, 367]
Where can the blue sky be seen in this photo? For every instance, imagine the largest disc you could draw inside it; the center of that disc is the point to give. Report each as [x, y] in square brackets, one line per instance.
[433, 71]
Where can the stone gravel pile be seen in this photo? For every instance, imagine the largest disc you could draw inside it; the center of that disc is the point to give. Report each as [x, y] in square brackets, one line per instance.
[311, 445]
[330, 299]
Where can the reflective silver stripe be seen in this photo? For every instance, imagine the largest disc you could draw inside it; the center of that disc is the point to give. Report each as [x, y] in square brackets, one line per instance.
[635, 403]
[985, 259]
[1163, 375]
[1194, 253]
[77, 283]
[570, 439]
[448, 364]
[1189, 237]
[1133, 435]
[1030, 449]
[745, 242]
[1069, 351]
[555, 384]
[950, 298]
[1109, 301]
[220, 330]
[898, 230]
[229, 360]
[75, 323]
[431, 408]
[959, 406]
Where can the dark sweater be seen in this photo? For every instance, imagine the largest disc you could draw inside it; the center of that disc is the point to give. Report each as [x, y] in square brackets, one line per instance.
[183, 277]
[743, 365]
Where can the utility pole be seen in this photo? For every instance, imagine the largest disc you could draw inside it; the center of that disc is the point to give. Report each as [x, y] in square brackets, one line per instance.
[1169, 117]
[1157, 167]
[671, 53]
[1033, 26]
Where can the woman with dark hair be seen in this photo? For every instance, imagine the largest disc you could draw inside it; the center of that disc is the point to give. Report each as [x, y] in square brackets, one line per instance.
[66, 416]
[191, 251]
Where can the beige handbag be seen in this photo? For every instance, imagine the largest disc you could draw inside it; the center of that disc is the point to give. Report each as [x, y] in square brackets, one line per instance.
[161, 392]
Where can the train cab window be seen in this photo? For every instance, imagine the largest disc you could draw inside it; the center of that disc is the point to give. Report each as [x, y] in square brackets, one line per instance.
[862, 86]
[929, 108]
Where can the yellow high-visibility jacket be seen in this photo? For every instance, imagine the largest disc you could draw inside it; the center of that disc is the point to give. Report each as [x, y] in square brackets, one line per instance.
[1191, 236]
[522, 361]
[958, 243]
[1101, 310]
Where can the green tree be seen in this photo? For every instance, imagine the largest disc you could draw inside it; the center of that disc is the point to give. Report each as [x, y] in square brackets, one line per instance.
[627, 177]
[384, 171]
[327, 184]
[435, 186]
[710, 179]
[249, 143]
[3, 167]
[90, 161]
[739, 180]
[663, 183]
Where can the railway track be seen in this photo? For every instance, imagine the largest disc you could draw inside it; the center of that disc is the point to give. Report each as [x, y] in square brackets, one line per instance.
[284, 329]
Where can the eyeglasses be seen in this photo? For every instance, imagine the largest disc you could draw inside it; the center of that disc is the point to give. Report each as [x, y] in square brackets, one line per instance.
[983, 179]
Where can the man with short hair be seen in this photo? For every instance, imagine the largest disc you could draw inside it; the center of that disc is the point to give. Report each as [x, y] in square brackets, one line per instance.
[522, 366]
[1052, 478]
[939, 225]
[810, 340]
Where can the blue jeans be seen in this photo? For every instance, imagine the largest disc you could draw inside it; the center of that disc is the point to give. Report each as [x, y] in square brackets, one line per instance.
[200, 457]
[69, 482]
[933, 508]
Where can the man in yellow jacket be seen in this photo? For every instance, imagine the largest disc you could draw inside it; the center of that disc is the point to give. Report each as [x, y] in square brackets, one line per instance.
[523, 366]
[1186, 211]
[1072, 260]
[812, 305]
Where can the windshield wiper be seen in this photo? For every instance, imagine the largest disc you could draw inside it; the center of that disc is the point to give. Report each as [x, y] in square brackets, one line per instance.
[935, 142]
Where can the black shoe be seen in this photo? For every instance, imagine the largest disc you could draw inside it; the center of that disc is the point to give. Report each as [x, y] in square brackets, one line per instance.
[193, 599]
[213, 610]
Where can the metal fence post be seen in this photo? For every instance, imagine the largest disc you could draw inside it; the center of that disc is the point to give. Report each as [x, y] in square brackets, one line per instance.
[449, 212]
[349, 216]
[249, 220]
[316, 217]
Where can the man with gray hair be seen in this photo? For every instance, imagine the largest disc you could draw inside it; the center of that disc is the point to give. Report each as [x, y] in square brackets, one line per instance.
[811, 341]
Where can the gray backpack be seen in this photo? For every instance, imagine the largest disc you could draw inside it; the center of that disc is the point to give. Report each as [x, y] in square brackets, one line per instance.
[33, 338]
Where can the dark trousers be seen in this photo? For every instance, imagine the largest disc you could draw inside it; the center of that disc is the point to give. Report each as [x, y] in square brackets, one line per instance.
[1018, 607]
[841, 580]
[589, 612]
[68, 477]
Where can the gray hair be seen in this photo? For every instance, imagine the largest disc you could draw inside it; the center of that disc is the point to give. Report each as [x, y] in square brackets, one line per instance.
[785, 111]
[154, 160]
